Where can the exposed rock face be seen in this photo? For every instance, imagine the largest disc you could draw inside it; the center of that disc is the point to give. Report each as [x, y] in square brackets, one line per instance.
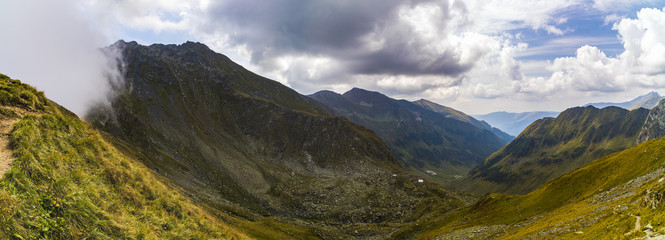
[654, 126]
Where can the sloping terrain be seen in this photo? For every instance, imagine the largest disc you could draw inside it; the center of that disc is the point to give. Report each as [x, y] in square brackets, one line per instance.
[654, 125]
[452, 113]
[66, 182]
[6, 157]
[422, 140]
[253, 148]
[619, 196]
[552, 147]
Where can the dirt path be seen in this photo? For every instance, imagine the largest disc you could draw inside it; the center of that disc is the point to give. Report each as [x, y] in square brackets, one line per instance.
[5, 150]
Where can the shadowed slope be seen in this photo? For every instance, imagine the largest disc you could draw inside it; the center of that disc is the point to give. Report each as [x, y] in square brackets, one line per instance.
[422, 140]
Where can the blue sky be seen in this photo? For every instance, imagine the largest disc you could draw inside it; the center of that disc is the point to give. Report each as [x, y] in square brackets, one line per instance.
[477, 56]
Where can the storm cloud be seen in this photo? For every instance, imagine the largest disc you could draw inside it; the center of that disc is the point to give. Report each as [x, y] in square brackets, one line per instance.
[368, 37]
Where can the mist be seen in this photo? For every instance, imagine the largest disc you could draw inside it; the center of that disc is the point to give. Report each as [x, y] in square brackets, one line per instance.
[51, 46]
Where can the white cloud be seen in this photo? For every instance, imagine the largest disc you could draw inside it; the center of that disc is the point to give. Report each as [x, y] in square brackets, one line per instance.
[644, 41]
[641, 65]
[612, 18]
[497, 16]
[51, 46]
[424, 49]
[424, 43]
[144, 15]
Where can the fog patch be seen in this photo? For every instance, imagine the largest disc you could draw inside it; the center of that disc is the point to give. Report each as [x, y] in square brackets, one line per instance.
[53, 47]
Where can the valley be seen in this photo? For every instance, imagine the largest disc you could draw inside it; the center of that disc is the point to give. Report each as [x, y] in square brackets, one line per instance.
[194, 146]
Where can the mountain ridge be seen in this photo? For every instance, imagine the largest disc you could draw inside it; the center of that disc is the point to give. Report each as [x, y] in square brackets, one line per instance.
[514, 123]
[426, 142]
[450, 112]
[252, 147]
[550, 147]
[647, 101]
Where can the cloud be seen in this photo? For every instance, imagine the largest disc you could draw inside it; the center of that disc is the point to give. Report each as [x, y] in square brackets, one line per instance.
[150, 15]
[51, 46]
[640, 65]
[371, 37]
[407, 48]
[644, 41]
[497, 16]
[376, 40]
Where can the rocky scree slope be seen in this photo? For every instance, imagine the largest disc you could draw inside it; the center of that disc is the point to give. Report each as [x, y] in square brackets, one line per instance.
[654, 125]
[551, 147]
[251, 147]
[421, 139]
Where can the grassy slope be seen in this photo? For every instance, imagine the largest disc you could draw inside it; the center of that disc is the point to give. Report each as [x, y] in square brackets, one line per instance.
[599, 200]
[66, 182]
[549, 148]
[452, 113]
[420, 138]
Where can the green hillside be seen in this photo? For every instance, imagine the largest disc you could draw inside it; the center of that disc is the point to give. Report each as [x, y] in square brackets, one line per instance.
[452, 113]
[429, 143]
[616, 197]
[67, 182]
[551, 147]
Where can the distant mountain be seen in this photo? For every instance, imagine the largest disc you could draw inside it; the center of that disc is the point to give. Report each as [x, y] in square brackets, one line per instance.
[424, 141]
[513, 123]
[551, 147]
[452, 113]
[654, 126]
[647, 101]
[250, 147]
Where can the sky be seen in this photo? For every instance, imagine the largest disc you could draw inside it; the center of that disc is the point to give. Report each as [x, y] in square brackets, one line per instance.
[477, 56]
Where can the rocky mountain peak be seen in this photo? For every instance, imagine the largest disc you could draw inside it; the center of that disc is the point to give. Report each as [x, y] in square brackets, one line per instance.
[654, 126]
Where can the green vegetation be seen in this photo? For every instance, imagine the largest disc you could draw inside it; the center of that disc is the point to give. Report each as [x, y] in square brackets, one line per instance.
[551, 147]
[424, 137]
[452, 113]
[66, 182]
[15, 94]
[601, 200]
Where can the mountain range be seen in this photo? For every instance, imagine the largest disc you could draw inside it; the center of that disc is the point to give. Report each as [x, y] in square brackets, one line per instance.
[647, 101]
[193, 146]
[438, 145]
[515, 123]
[249, 146]
[551, 147]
